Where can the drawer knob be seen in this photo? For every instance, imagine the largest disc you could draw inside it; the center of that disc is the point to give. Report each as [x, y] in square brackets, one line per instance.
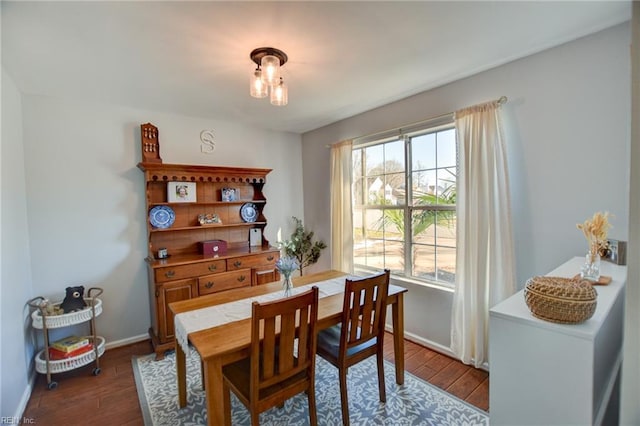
[213, 267]
[209, 284]
[169, 274]
[241, 278]
[237, 263]
[270, 258]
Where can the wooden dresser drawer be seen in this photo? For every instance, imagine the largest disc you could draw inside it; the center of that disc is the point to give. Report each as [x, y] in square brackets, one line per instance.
[252, 261]
[264, 276]
[171, 273]
[225, 281]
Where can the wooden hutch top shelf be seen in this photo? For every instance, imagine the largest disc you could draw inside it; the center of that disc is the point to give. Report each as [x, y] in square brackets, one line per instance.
[194, 173]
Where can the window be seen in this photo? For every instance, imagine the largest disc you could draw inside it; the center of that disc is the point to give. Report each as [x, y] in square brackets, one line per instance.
[404, 195]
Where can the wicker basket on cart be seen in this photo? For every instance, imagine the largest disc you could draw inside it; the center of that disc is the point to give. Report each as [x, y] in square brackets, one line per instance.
[64, 320]
[561, 300]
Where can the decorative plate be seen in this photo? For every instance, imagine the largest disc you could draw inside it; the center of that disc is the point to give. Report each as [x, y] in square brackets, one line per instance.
[249, 212]
[161, 217]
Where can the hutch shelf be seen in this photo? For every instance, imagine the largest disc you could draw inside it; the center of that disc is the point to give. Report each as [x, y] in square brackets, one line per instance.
[185, 272]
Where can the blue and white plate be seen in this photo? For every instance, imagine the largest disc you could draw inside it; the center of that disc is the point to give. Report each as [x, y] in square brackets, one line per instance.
[249, 212]
[161, 217]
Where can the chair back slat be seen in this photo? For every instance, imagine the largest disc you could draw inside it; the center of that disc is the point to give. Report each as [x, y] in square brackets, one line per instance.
[287, 341]
[354, 315]
[268, 347]
[303, 335]
[368, 312]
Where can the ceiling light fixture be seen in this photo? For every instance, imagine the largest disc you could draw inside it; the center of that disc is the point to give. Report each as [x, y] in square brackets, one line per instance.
[267, 75]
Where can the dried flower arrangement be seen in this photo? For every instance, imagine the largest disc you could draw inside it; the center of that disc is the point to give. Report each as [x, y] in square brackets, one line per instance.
[595, 230]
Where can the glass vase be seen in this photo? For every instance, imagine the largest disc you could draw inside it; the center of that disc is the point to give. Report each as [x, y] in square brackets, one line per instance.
[591, 268]
[287, 285]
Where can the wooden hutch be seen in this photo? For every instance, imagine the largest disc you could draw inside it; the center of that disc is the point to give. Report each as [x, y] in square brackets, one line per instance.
[187, 273]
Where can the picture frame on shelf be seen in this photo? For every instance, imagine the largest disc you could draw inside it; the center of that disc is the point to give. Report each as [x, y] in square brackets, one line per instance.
[255, 237]
[181, 192]
[230, 194]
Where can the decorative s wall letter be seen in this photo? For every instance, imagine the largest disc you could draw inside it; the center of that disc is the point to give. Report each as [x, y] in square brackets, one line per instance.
[208, 144]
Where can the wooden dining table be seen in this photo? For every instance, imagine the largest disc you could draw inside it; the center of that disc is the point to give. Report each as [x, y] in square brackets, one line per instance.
[230, 342]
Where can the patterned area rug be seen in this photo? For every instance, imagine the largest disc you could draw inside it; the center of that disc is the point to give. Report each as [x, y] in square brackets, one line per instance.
[414, 403]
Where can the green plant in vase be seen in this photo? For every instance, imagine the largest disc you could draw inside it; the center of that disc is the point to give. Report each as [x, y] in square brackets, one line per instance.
[302, 247]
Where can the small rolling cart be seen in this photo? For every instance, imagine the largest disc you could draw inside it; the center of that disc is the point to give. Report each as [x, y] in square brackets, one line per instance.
[44, 320]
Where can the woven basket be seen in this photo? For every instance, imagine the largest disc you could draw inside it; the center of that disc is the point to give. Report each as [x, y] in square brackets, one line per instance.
[561, 300]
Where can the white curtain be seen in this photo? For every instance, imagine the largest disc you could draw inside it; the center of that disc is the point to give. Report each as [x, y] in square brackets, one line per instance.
[341, 208]
[485, 260]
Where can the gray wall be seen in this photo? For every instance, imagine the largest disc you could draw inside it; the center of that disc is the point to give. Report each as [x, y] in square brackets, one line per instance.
[567, 130]
[15, 260]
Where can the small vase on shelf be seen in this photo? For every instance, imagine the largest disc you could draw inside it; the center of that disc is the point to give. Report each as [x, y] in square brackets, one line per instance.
[591, 268]
[595, 230]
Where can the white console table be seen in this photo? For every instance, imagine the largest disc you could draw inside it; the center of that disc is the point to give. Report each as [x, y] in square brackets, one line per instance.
[543, 373]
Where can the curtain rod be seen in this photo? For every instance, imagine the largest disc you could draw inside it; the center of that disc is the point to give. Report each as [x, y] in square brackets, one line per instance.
[502, 100]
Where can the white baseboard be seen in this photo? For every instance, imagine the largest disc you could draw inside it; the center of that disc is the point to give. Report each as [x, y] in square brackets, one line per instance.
[25, 399]
[433, 346]
[426, 343]
[127, 341]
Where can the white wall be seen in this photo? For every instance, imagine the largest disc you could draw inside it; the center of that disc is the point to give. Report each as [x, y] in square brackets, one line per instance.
[86, 196]
[567, 131]
[15, 265]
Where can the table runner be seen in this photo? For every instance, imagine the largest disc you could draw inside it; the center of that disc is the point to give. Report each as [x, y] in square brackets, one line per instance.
[213, 316]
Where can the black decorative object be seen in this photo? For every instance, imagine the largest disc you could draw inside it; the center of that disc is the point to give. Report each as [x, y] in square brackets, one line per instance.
[74, 299]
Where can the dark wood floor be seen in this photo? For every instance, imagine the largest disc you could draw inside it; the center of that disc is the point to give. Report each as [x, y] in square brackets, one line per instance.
[111, 399]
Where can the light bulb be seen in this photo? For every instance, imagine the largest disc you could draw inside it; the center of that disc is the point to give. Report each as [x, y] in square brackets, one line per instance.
[270, 69]
[257, 88]
[279, 94]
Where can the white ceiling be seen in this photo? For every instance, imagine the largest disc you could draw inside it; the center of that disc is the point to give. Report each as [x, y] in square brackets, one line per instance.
[192, 58]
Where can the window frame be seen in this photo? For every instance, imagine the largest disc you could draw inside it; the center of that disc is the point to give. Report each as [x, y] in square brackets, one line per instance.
[406, 135]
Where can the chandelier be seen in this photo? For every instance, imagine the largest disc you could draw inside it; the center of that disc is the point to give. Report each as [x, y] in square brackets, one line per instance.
[266, 77]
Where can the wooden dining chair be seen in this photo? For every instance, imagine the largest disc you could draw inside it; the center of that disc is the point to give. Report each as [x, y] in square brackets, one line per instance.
[360, 333]
[275, 370]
